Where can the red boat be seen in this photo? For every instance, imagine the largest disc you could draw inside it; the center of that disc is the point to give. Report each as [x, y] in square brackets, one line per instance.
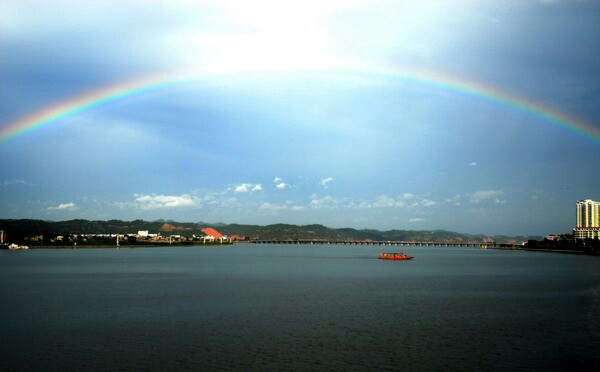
[395, 256]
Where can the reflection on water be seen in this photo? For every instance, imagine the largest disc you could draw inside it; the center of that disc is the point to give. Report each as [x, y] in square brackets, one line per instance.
[306, 307]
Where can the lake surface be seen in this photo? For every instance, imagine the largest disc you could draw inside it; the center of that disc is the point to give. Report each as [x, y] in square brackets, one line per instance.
[298, 307]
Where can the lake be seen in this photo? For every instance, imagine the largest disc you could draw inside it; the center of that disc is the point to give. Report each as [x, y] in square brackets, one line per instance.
[298, 307]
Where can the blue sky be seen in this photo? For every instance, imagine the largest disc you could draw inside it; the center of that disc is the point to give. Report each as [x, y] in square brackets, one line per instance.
[278, 131]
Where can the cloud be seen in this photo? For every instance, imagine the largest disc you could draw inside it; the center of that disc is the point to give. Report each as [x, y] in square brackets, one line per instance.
[427, 203]
[64, 207]
[455, 200]
[276, 207]
[326, 181]
[147, 202]
[473, 164]
[247, 187]
[229, 203]
[244, 187]
[272, 207]
[321, 203]
[487, 195]
[416, 219]
[383, 201]
[406, 200]
[15, 182]
[280, 184]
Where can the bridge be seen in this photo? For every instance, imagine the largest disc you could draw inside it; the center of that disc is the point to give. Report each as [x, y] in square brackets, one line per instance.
[373, 242]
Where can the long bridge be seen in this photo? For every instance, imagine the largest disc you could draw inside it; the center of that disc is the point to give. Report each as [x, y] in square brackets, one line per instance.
[376, 242]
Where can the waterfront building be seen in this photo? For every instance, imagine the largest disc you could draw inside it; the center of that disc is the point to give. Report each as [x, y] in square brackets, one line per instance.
[210, 232]
[588, 220]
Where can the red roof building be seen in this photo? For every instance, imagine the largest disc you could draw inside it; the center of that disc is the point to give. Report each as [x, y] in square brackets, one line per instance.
[209, 231]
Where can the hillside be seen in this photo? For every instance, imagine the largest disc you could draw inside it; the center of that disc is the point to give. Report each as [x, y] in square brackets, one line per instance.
[17, 230]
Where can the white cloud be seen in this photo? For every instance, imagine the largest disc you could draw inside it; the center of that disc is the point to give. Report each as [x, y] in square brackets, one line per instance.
[487, 195]
[165, 201]
[406, 200]
[326, 181]
[280, 184]
[244, 187]
[63, 207]
[416, 220]
[247, 187]
[362, 205]
[321, 203]
[383, 201]
[473, 164]
[276, 207]
[428, 203]
[15, 182]
[229, 203]
[272, 207]
[198, 198]
[455, 200]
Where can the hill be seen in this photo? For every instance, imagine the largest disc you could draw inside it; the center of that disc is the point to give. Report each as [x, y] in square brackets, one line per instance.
[17, 229]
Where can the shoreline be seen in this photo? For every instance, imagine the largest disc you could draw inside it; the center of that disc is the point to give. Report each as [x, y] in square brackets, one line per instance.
[112, 246]
[545, 250]
[164, 245]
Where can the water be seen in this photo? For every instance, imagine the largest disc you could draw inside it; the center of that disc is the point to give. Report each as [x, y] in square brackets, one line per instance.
[300, 307]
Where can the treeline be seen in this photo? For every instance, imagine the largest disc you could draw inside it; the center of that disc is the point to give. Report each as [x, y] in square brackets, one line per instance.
[291, 232]
[588, 245]
[18, 229]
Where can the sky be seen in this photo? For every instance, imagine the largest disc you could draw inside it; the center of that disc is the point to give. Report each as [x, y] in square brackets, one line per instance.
[477, 116]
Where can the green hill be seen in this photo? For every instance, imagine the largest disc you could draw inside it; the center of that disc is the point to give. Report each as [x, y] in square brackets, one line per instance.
[17, 229]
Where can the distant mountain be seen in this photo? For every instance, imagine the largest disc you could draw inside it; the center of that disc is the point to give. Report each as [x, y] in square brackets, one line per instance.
[17, 230]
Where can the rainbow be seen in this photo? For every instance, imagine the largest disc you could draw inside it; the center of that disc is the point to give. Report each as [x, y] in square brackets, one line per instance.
[86, 102]
[107, 95]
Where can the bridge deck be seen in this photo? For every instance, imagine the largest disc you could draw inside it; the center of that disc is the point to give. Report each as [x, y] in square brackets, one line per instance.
[372, 242]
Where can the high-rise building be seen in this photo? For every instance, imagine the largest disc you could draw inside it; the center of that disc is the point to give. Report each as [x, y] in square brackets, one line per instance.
[588, 220]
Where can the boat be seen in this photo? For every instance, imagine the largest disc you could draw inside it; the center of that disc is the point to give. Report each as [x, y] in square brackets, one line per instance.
[397, 256]
[17, 247]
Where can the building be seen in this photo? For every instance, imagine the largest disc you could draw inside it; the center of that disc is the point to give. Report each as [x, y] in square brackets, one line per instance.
[210, 232]
[214, 236]
[588, 220]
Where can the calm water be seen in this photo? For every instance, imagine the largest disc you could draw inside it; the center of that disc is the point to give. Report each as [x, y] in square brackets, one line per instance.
[307, 307]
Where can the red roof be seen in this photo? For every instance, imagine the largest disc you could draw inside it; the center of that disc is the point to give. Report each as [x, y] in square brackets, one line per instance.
[209, 231]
